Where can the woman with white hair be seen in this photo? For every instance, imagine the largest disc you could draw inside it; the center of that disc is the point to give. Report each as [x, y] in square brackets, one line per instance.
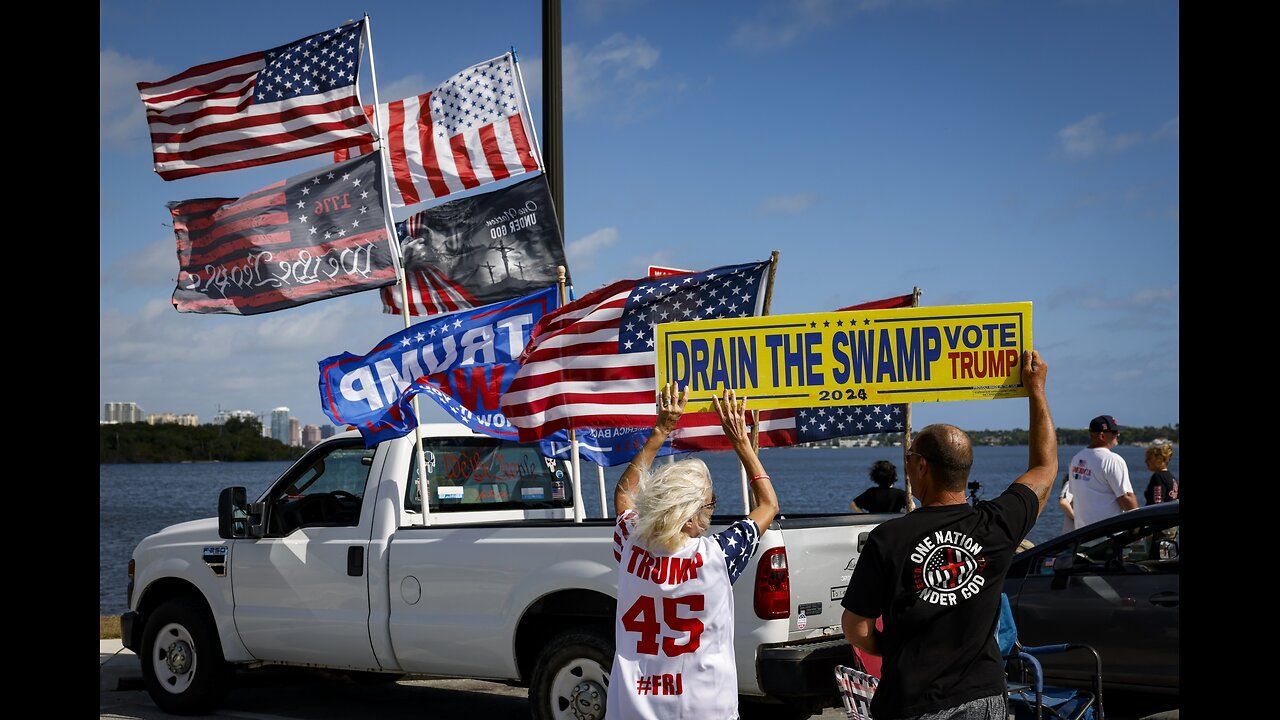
[673, 631]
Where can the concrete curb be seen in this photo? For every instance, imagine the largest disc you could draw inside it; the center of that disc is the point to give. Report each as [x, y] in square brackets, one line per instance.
[120, 668]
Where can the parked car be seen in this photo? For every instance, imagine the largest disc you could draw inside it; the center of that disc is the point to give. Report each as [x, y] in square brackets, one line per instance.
[1112, 585]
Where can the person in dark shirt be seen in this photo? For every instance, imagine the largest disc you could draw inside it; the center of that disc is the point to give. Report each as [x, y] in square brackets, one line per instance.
[1163, 486]
[883, 498]
[934, 576]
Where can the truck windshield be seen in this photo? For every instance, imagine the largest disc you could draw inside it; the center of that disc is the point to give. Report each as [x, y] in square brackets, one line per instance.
[479, 473]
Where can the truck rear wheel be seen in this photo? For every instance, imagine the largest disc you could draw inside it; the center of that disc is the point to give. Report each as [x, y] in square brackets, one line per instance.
[571, 676]
[182, 663]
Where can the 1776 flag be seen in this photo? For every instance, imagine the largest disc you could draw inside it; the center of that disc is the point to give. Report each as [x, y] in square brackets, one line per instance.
[591, 363]
[288, 102]
[311, 237]
[472, 129]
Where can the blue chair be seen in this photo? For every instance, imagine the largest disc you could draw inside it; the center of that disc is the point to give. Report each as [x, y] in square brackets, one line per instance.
[1029, 697]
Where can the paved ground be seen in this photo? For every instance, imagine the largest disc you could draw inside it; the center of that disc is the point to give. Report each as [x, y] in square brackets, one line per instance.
[278, 694]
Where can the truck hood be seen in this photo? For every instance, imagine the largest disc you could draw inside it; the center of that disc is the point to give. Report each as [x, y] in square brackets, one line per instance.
[192, 531]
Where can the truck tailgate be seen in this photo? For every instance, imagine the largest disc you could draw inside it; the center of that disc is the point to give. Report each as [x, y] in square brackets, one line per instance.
[821, 553]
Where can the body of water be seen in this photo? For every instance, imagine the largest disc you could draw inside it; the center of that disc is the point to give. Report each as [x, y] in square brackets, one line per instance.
[138, 500]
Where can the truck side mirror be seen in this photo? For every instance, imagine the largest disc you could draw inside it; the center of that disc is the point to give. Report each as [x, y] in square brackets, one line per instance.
[233, 513]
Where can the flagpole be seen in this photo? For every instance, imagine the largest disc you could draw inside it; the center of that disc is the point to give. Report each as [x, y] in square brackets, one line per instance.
[906, 425]
[394, 241]
[537, 148]
[576, 477]
[747, 500]
[604, 506]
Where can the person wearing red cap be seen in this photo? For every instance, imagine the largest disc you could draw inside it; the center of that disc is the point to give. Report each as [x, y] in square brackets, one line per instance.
[1099, 477]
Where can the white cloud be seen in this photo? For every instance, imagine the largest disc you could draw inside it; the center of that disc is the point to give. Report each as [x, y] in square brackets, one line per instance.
[121, 120]
[788, 204]
[408, 86]
[614, 72]
[155, 263]
[782, 24]
[1087, 138]
[584, 250]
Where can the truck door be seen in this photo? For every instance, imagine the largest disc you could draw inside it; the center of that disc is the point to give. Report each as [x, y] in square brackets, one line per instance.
[302, 592]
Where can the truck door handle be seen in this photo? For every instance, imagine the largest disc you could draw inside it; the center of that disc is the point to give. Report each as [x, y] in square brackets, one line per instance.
[355, 561]
[862, 540]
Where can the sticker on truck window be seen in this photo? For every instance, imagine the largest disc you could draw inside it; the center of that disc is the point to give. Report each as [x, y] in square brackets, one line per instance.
[450, 493]
[532, 493]
[838, 592]
[429, 459]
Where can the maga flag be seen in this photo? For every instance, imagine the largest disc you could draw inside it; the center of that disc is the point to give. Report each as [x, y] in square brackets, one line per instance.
[591, 363]
[479, 250]
[314, 236]
[471, 129]
[289, 102]
[463, 360]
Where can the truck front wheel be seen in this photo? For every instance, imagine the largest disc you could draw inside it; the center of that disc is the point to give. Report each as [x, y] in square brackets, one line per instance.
[571, 676]
[182, 663]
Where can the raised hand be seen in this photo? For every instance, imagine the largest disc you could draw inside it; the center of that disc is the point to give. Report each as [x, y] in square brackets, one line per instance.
[733, 416]
[670, 407]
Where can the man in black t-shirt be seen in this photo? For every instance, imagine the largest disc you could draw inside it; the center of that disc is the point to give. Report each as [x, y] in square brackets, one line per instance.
[935, 575]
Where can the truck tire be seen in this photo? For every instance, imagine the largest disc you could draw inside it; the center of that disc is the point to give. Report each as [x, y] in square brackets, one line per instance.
[571, 676]
[182, 664]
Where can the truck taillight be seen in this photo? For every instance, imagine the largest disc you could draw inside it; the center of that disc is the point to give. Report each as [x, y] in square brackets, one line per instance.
[773, 587]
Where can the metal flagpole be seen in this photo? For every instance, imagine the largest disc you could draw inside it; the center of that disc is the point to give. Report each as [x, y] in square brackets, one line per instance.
[423, 486]
[604, 506]
[747, 500]
[906, 425]
[537, 148]
[576, 479]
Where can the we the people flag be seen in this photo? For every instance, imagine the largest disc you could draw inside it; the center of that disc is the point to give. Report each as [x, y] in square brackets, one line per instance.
[314, 236]
[471, 129]
[479, 250]
[591, 363]
[288, 102]
[463, 360]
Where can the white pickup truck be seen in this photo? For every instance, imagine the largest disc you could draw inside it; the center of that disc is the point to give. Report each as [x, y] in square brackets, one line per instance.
[333, 567]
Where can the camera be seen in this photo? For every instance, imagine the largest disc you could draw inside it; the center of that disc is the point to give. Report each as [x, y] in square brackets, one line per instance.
[975, 485]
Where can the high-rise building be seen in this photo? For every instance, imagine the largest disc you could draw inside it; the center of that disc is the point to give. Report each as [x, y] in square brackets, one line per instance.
[122, 412]
[280, 424]
[310, 435]
[295, 432]
[328, 431]
[224, 415]
[187, 419]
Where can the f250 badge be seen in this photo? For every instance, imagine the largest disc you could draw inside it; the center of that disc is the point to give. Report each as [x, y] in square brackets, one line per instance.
[215, 556]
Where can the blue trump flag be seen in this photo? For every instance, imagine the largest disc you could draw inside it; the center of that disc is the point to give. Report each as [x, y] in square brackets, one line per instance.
[604, 446]
[464, 361]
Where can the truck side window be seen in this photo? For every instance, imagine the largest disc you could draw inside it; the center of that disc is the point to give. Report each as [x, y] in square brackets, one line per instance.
[481, 473]
[326, 488]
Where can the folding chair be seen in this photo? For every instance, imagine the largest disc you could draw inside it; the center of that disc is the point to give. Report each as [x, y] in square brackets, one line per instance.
[1029, 697]
[857, 687]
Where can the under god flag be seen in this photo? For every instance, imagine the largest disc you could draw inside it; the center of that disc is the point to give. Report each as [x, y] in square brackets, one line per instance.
[288, 102]
[314, 236]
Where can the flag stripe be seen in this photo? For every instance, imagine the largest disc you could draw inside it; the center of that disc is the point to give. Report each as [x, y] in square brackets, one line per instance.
[462, 161]
[492, 154]
[399, 159]
[527, 159]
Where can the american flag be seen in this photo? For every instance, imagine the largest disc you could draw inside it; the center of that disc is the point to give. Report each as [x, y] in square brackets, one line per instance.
[314, 236]
[591, 363]
[430, 291]
[788, 426]
[472, 129]
[264, 107]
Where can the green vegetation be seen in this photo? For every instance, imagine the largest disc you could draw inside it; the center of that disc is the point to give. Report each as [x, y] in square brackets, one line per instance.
[236, 441]
[109, 627]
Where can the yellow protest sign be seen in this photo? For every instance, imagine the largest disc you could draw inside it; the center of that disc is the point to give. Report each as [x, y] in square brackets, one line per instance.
[853, 357]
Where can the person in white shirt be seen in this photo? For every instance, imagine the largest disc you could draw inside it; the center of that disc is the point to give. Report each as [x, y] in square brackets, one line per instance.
[1099, 477]
[673, 631]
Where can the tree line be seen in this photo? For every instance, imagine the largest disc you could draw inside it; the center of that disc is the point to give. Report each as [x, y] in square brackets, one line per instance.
[238, 440]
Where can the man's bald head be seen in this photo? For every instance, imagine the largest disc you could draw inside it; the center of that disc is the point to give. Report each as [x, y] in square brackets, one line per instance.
[948, 450]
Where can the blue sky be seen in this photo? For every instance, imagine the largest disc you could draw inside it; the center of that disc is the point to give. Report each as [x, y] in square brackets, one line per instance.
[986, 151]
